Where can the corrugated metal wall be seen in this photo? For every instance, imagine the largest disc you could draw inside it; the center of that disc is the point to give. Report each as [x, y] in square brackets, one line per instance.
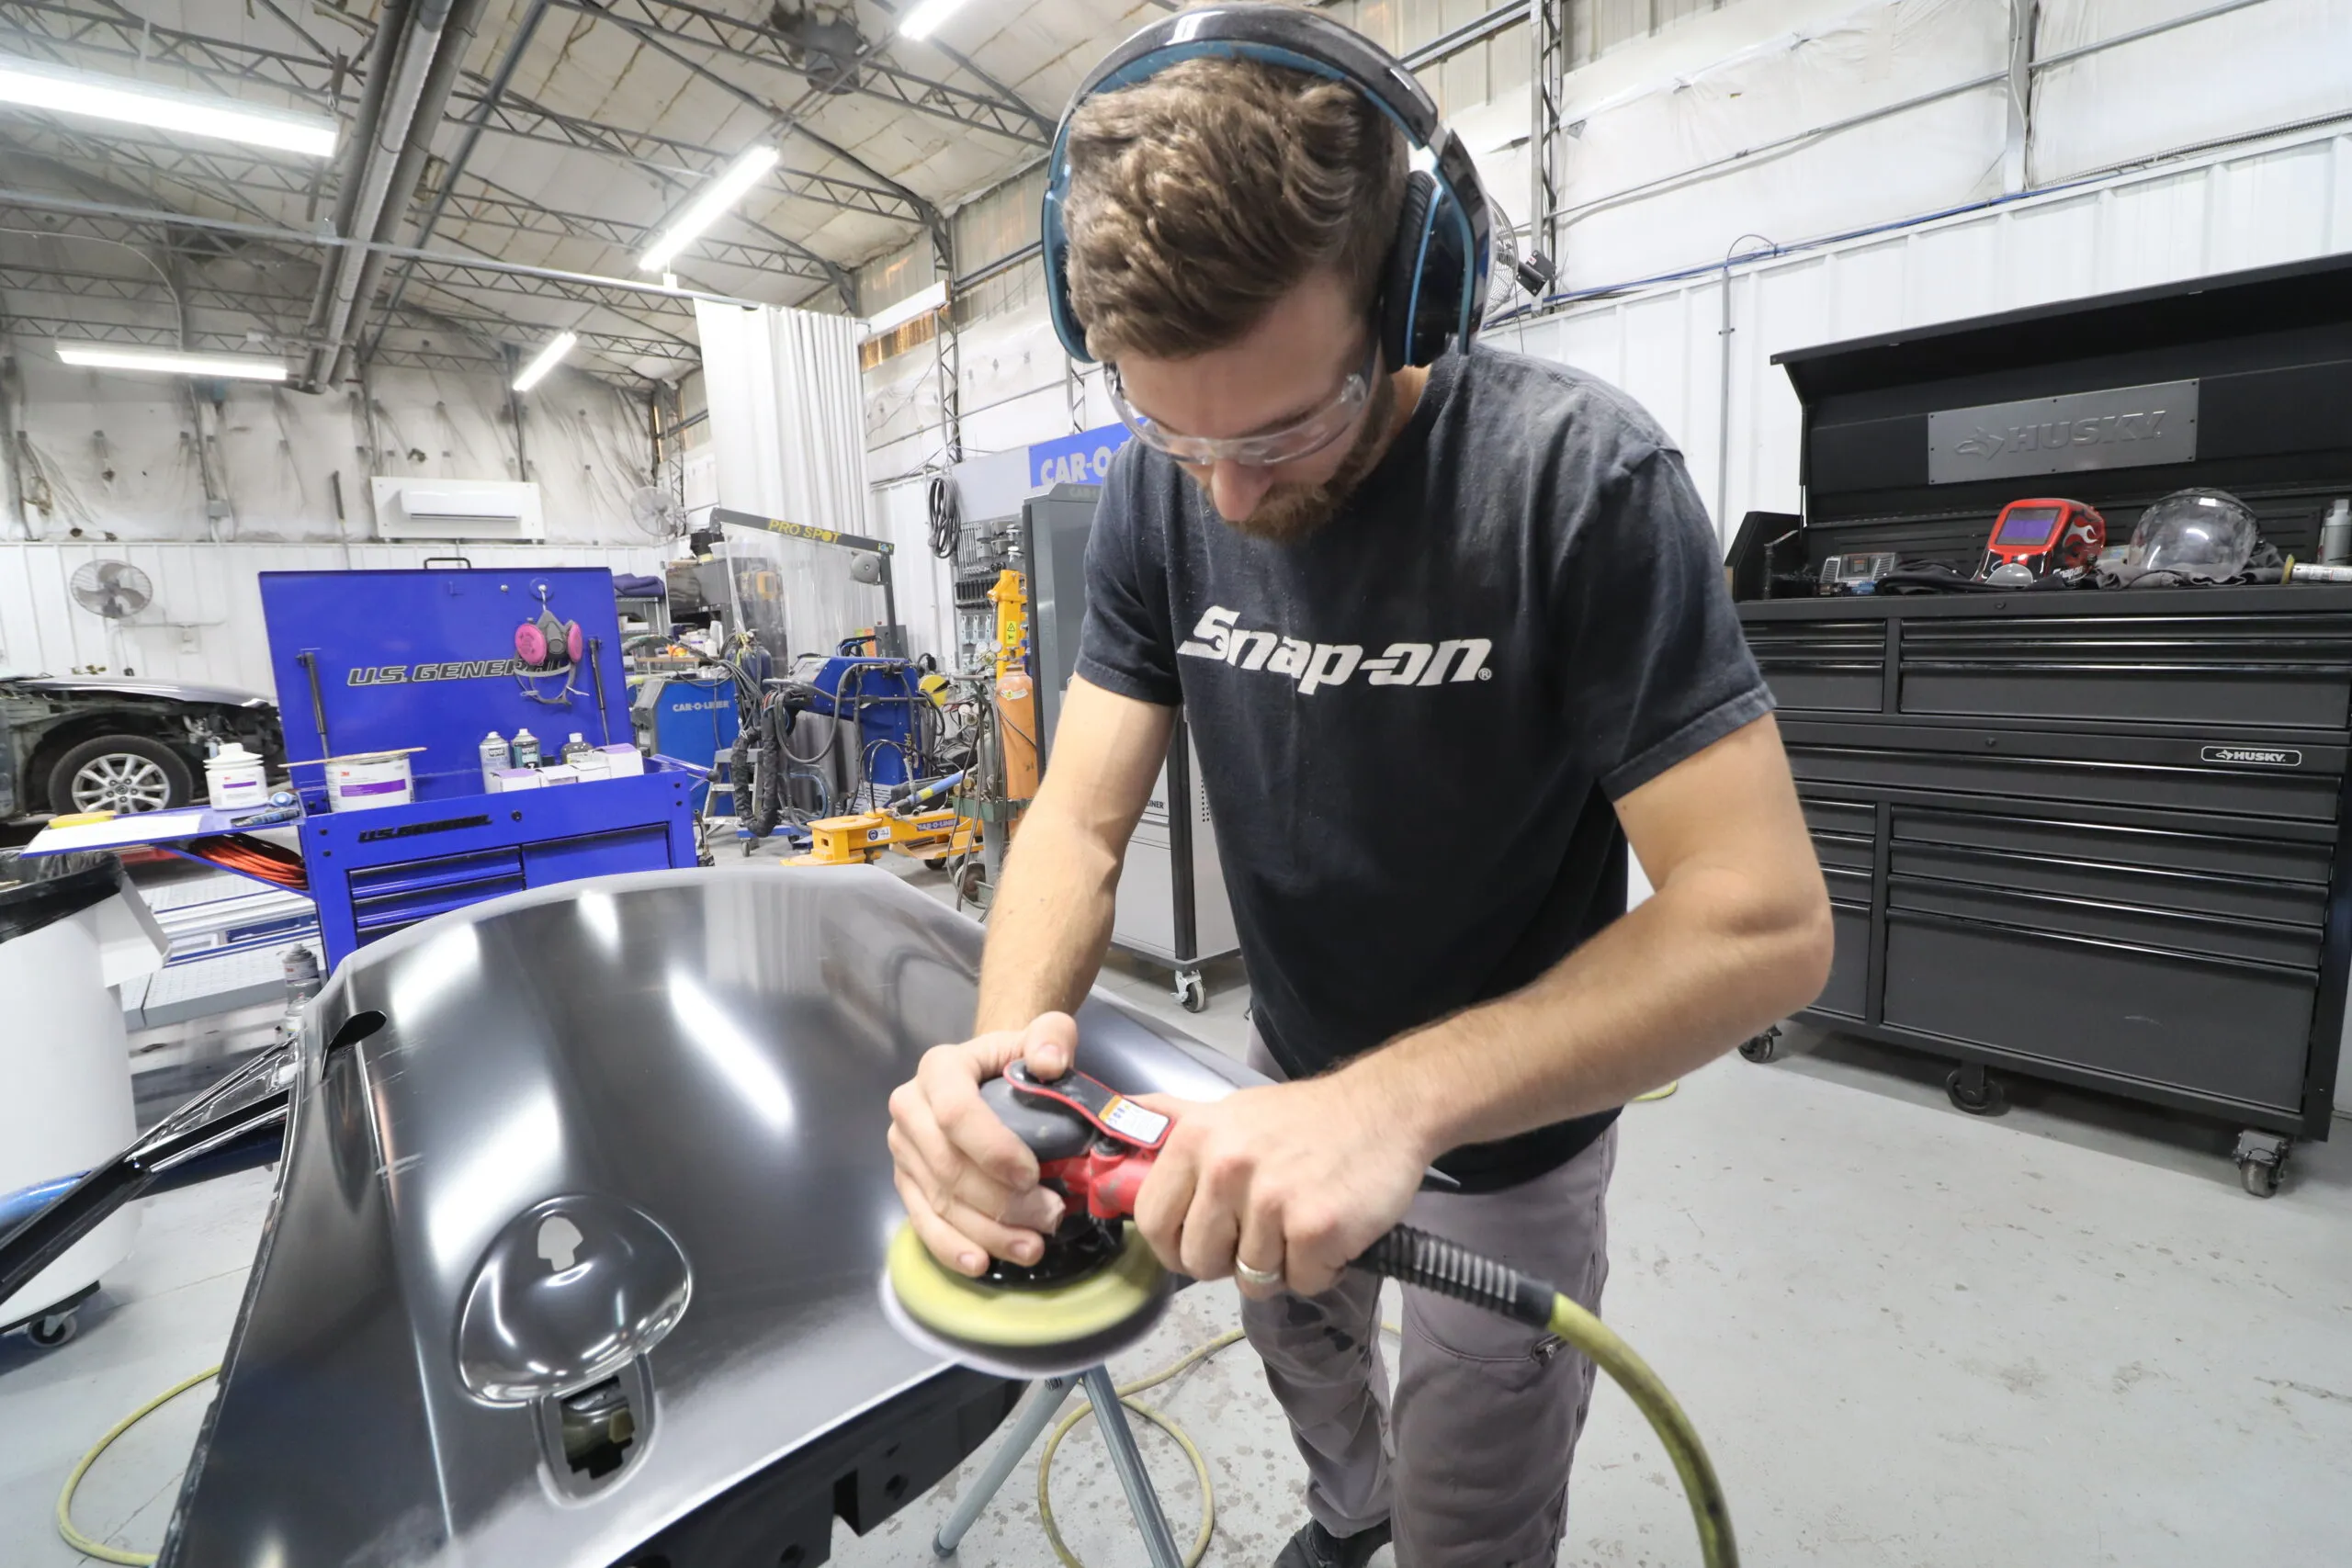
[205, 623]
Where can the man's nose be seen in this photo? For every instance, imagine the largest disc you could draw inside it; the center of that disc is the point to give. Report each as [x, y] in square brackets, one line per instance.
[1237, 487]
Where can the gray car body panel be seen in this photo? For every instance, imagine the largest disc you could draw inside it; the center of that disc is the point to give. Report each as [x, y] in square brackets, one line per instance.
[713, 1050]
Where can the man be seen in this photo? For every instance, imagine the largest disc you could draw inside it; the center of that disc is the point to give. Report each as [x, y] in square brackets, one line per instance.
[1449, 638]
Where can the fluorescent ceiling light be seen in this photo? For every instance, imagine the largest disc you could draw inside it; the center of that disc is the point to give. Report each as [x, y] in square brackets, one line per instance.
[892, 317]
[220, 367]
[549, 356]
[100, 96]
[721, 194]
[924, 19]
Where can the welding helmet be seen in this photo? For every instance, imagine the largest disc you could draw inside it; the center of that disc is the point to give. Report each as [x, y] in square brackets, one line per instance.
[2195, 536]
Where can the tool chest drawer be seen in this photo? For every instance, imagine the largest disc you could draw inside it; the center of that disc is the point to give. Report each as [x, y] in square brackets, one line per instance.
[1841, 851]
[2192, 936]
[2306, 860]
[1848, 991]
[2098, 865]
[386, 897]
[2230, 1031]
[1838, 667]
[2272, 671]
[1853, 818]
[2042, 766]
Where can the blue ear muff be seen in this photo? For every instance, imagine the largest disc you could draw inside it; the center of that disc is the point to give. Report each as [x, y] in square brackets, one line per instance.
[1421, 287]
[1053, 245]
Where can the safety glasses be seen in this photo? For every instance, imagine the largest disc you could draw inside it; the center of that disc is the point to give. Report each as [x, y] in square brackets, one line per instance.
[1268, 450]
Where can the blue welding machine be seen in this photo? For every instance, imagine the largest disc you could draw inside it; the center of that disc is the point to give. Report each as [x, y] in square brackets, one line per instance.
[689, 716]
[372, 661]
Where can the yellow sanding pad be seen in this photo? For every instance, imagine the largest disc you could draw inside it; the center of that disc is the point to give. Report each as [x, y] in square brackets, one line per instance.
[1129, 1288]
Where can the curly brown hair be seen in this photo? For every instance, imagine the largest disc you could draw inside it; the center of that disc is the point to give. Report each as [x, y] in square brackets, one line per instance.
[1200, 196]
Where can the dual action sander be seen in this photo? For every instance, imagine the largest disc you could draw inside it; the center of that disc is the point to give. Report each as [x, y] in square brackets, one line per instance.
[1098, 1290]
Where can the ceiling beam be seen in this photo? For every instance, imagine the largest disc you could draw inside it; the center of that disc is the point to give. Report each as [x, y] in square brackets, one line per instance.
[226, 64]
[220, 174]
[875, 78]
[120, 224]
[289, 309]
[65, 330]
[492, 207]
[528, 122]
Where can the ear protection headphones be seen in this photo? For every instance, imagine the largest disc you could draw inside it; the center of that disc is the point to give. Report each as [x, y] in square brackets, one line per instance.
[1433, 287]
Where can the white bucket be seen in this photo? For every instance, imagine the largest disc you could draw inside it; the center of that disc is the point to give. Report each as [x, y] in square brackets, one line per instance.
[362, 784]
[235, 778]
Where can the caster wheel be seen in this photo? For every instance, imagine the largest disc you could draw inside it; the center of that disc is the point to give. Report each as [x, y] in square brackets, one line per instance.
[1988, 1100]
[49, 1333]
[1765, 1047]
[1191, 991]
[2259, 1177]
[935, 862]
[968, 882]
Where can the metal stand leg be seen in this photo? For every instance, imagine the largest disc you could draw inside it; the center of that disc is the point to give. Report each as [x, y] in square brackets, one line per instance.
[1036, 1419]
[1111, 1415]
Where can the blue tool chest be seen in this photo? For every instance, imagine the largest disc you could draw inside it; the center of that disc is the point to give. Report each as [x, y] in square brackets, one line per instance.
[380, 661]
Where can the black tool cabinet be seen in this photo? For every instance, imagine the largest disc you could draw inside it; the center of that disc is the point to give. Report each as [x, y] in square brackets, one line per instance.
[2092, 835]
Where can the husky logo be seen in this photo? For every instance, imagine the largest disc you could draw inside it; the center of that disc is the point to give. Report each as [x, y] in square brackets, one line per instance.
[1314, 665]
[2050, 436]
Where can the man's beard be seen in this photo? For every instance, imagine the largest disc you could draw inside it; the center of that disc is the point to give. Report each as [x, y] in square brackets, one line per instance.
[1290, 513]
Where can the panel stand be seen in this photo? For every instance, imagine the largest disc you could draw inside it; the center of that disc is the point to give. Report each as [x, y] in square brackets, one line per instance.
[1127, 1460]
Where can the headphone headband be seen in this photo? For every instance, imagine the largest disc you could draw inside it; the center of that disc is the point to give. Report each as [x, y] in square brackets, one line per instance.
[1300, 41]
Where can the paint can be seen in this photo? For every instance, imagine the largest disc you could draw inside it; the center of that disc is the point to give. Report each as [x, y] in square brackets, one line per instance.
[234, 778]
[362, 784]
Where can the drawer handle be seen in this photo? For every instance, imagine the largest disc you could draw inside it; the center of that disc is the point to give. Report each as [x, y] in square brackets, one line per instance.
[1941, 754]
[1962, 922]
[2029, 857]
[2101, 906]
[2086, 667]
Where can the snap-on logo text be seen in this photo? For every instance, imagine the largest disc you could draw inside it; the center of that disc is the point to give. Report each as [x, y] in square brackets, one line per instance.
[1314, 665]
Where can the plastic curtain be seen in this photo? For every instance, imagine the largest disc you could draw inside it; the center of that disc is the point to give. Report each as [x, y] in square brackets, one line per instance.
[787, 420]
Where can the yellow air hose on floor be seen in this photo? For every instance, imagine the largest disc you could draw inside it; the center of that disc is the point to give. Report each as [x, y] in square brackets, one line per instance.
[74, 1537]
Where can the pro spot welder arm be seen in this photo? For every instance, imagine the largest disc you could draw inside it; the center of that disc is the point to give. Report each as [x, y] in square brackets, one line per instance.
[1416, 1258]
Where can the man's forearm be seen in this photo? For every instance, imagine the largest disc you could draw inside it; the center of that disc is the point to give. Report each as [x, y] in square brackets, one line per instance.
[1676, 982]
[1049, 926]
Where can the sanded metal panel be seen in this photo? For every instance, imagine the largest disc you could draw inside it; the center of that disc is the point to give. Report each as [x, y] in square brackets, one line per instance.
[713, 1050]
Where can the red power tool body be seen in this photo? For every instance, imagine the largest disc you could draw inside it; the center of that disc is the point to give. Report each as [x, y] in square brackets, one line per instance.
[1126, 1138]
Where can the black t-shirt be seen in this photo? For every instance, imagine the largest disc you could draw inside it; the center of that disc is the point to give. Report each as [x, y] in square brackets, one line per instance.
[1411, 725]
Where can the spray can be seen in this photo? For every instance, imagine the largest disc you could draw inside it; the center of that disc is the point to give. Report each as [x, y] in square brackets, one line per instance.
[524, 751]
[574, 747]
[494, 756]
[2336, 534]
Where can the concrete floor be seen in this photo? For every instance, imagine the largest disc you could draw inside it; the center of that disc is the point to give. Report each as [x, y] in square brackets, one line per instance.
[1910, 1337]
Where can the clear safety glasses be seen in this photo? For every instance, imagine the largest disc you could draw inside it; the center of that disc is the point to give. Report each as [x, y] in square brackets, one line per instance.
[1301, 439]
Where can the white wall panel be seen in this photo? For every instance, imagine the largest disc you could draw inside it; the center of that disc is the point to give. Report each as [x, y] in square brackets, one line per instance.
[2249, 208]
[2248, 72]
[115, 455]
[205, 623]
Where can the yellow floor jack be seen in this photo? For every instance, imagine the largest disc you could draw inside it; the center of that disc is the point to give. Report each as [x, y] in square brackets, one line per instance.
[908, 825]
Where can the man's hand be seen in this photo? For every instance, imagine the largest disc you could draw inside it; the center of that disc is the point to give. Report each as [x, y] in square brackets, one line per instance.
[970, 1187]
[1294, 1179]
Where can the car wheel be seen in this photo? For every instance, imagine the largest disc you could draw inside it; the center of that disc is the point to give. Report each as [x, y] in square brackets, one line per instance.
[122, 773]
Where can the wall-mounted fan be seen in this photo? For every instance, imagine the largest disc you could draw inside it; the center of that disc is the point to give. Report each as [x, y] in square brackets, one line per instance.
[657, 511]
[113, 589]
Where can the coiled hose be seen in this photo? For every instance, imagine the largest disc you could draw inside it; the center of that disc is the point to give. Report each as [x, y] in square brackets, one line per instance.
[1414, 1256]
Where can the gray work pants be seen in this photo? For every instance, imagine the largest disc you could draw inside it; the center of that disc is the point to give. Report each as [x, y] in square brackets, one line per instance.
[1471, 1458]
